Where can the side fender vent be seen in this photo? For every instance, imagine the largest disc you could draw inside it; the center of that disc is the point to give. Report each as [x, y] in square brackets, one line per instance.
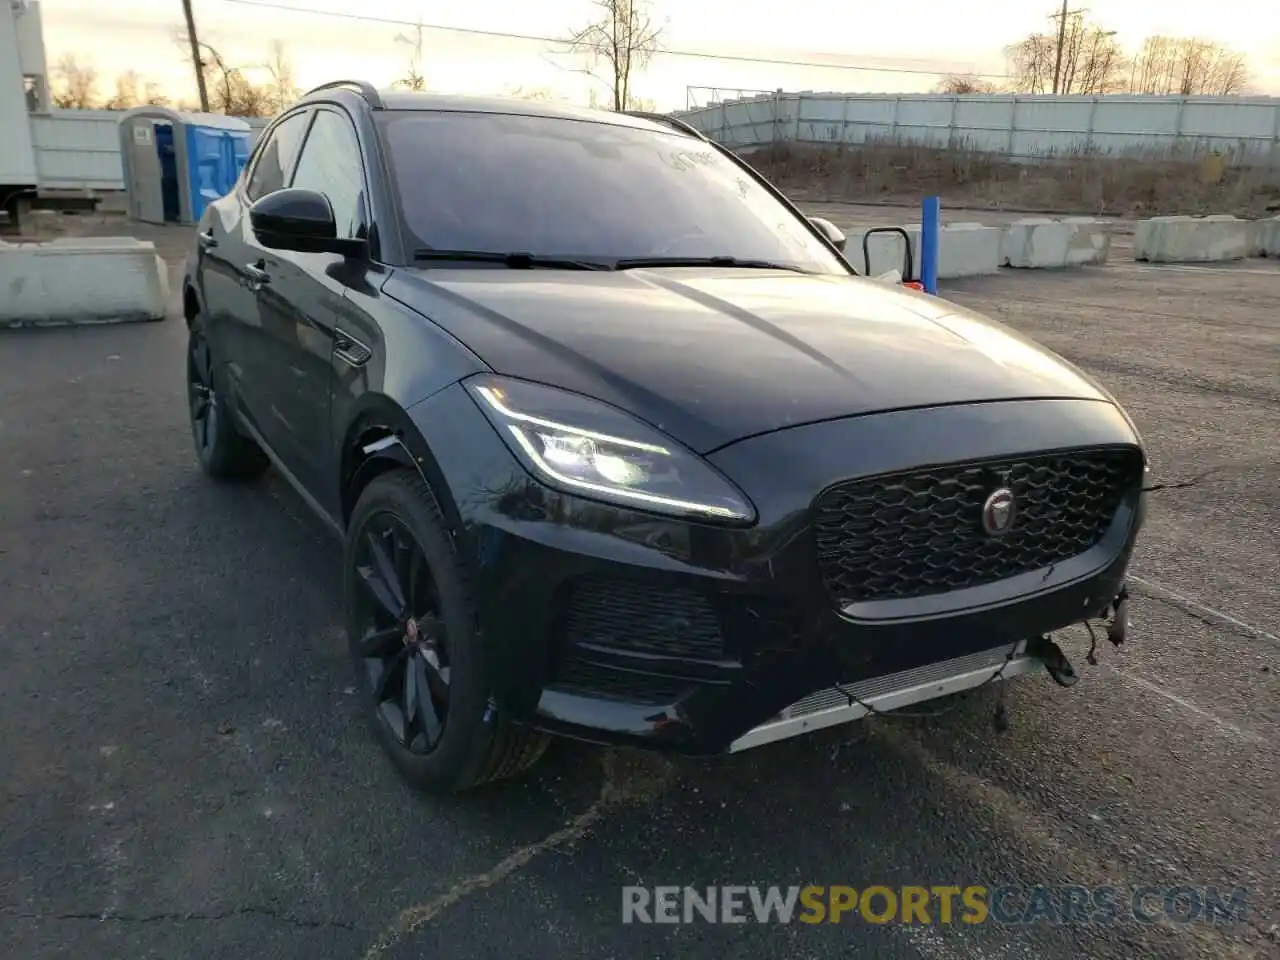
[349, 349]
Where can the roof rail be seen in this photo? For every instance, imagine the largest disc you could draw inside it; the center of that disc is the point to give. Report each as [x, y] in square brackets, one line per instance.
[668, 120]
[363, 87]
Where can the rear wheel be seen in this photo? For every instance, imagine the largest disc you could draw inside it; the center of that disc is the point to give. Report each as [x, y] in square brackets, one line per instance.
[223, 451]
[421, 665]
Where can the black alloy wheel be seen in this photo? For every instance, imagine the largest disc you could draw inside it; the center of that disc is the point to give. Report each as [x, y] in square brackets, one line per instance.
[202, 396]
[413, 632]
[402, 641]
[224, 452]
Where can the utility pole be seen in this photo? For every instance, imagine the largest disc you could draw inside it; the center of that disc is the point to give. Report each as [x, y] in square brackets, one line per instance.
[1062, 42]
[1057, 64]
[1061, 45]
[195, 54]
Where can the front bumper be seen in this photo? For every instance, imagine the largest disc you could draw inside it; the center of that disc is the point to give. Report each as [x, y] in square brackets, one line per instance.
[844, 703]
[615, 626]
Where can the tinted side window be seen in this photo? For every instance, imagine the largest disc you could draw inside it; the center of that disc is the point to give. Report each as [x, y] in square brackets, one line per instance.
[276, 155]
[330, 164]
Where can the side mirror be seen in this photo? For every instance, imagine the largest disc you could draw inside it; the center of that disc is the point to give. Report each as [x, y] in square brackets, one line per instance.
[831, 232]
[300, 220]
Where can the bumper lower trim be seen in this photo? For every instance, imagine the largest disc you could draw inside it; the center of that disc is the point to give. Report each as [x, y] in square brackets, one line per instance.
[831, 707]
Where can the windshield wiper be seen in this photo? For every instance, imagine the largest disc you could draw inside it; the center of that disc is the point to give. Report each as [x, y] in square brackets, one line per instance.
[517, 260]
[633, 262]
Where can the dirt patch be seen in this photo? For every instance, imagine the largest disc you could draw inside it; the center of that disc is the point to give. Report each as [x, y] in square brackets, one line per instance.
[886, 172]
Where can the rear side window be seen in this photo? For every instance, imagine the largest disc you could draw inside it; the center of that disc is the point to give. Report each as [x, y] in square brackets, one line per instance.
[276, 156]
[330, 164]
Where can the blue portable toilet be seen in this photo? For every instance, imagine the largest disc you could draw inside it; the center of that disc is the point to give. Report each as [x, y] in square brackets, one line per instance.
[176, 163]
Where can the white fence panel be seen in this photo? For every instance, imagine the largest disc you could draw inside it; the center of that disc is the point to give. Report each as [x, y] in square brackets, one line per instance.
[924, 120]
[78, 150]
[1215, 122]
[984, 123]
[867, 118]
[1020, 127]
[819, 119]
[1134, 123]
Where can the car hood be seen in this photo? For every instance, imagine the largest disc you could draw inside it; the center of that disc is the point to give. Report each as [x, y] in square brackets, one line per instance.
[711, 356]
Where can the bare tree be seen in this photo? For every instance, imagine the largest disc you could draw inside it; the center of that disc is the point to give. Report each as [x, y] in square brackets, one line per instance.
[127, 95]
[1188, 66]
[1093, 62]
[1084, 58]
[75, 84]
[133, 91]
[617, 46]
[284, 91]
[154, 95]
[1031, 63]
[413, 78]
[231, 91]
[960, 83]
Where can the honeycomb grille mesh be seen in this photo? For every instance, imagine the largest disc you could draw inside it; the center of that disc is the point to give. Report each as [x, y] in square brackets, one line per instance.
[643, 618]
[920, 533]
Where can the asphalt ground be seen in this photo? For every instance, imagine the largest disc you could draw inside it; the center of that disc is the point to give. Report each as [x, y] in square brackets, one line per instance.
[185, 773]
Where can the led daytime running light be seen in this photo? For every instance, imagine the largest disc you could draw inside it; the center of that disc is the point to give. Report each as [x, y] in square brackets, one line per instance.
[493, 398]
[637, 495]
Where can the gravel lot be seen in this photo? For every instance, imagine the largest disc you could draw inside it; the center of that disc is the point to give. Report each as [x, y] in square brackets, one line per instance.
[185, 774]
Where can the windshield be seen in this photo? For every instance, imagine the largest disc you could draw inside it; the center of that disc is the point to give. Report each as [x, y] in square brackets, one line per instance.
[560, 188]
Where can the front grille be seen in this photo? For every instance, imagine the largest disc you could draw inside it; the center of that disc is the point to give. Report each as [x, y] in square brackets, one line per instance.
[644, 618]
[920, 533]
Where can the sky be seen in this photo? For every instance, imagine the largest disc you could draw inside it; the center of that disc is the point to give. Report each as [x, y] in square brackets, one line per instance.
[873, 48]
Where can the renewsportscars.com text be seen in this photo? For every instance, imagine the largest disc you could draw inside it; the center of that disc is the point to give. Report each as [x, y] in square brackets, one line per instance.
[973, 904]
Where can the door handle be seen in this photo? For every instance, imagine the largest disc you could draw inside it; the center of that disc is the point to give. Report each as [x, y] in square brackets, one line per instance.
[206, 239]
[256, 273]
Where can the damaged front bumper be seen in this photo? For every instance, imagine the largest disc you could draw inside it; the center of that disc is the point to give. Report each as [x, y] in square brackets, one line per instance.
[845, 703]
[618, 626]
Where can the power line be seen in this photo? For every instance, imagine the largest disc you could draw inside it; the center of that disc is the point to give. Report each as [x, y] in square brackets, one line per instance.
[561, 41]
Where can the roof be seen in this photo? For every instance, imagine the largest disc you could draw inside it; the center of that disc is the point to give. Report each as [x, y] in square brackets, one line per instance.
[402, 100]
[191, 119]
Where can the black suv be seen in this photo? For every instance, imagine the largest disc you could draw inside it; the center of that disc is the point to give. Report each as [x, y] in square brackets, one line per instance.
[619, 445]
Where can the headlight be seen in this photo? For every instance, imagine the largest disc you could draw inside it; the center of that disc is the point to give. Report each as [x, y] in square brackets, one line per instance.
[587, 447]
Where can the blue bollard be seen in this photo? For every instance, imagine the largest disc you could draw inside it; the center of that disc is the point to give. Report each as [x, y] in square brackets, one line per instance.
[930, 235]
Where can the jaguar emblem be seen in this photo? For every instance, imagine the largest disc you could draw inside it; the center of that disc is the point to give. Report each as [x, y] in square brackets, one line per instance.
[998, 512]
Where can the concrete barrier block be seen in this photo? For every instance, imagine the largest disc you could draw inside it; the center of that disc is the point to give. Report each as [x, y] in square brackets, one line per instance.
[968, 250]
[1045, 243]
[1090, 243]
[1026, 241]
[21, 284]
[1267, 237]
[74, 282]
[1192, 239]
[1255, 238]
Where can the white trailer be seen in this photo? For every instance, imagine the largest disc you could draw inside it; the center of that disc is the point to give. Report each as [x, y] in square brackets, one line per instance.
[24, 93]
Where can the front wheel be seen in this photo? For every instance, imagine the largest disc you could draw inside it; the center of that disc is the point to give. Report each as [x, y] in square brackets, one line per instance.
[420, 663]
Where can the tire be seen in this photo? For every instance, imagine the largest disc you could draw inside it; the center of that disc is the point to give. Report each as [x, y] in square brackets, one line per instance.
[223, 451]
[466, 744]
